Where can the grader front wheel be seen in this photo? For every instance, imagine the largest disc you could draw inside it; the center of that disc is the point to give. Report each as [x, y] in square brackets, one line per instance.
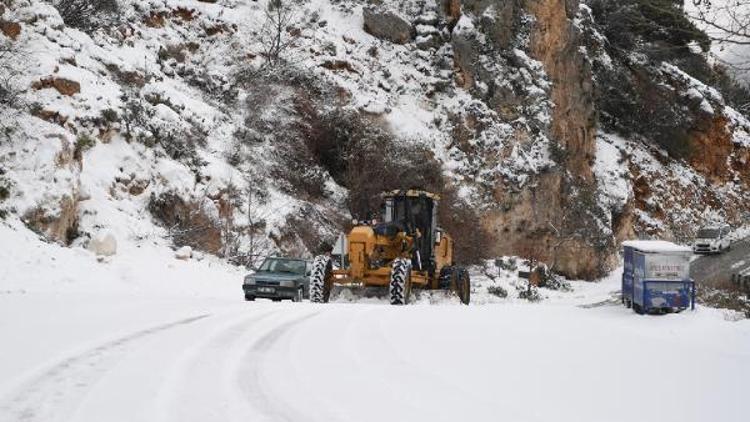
[399, 288]
[321, 280]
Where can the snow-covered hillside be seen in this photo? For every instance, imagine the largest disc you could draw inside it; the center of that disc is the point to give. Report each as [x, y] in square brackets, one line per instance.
[170, 124]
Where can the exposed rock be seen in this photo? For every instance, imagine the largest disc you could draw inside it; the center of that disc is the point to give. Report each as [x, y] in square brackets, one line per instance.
[55, 217]
[217, 29]
[711, 134]
[386, 24]
[496, 17]
[555, 43]
[571, 8]
[10, 29]
[184, 14]
[466, 52]
[193, 223]
[62, 85]
[103, 244]
[155, 20]
[59, 224]
[338, 65]
[428, 36]
[50, 116]
[184, 253]
[429, 42]
[451, 10]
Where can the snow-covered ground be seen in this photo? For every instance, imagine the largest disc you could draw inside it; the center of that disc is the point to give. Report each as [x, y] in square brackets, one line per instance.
[143, 336]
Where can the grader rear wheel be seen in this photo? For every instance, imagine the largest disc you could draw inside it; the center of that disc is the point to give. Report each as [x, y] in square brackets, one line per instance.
[399, 288]
[463, 286]
[321, 279]
[457, 280]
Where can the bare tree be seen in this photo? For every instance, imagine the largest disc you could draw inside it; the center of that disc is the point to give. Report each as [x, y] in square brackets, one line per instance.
[726, 21]
[257, 246]
[727, 24]
[245, 245]
[275, 34]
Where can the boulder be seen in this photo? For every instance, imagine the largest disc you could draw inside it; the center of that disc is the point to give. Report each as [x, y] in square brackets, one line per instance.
[386, 24]
[184, 253]
[103, 244]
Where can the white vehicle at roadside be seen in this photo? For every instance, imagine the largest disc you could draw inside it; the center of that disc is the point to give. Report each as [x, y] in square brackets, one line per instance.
[712, 239]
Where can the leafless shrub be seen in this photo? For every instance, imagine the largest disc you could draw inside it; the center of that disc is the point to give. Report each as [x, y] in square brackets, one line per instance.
[275, 36]
[473, 240]
[186, 221]
[87, 15]
[10, 90]
[134, 116]
[246, 244]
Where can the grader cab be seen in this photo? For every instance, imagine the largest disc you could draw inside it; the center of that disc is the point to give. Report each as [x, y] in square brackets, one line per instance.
[407, 250]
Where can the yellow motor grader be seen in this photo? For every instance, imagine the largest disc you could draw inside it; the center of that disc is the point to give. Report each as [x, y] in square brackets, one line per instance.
[406, 250]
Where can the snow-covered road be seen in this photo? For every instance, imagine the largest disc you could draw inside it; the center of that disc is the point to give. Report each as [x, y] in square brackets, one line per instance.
[145, 337]
[232, 361]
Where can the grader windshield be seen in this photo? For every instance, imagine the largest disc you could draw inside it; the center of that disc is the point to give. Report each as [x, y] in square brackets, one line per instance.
[415, 214]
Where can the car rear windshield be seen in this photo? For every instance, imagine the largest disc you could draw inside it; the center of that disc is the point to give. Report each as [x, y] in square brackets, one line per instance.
[708, 233]
[283, 266]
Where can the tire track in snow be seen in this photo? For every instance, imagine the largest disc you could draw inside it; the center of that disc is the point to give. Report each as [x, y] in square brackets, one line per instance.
[205, 374]
[56, 392]
[251, 380]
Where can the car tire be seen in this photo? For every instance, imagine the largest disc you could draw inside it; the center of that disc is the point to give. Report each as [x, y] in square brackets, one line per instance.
[249, 298]
[300, 295]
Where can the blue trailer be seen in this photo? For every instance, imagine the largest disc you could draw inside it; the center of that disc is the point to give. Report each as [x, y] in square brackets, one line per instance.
[656, 277]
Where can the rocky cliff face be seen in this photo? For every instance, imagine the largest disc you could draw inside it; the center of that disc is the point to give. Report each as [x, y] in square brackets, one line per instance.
[170, 118]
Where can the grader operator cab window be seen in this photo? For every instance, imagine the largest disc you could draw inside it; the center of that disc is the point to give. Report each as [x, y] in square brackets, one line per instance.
[412, 214]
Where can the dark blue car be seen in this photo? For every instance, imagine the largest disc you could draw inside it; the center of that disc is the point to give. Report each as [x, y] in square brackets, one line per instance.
[278, 279]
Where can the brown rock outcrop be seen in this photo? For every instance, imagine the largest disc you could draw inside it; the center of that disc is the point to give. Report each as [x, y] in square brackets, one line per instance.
[58, 220]
[62, 85]
[555, 42]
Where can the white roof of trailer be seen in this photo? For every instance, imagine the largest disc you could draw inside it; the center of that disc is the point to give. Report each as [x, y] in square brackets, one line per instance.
[656, 246]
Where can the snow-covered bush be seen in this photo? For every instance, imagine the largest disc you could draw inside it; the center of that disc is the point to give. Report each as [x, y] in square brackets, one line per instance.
[507, 263]
[83, 144]
[528, 292]
[554, 281]
[498, 291]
